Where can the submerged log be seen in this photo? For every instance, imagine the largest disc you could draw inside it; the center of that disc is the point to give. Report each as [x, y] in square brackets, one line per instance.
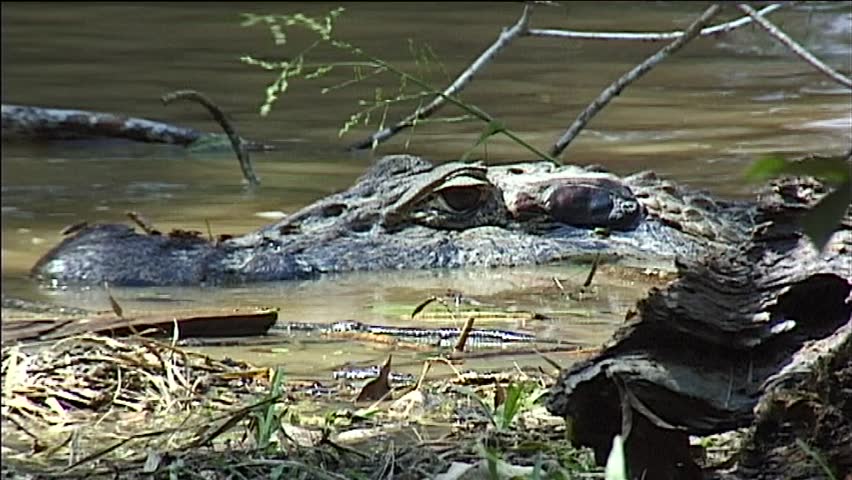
[697, 356]
[62, 124]
[24, 122]
[190, 324]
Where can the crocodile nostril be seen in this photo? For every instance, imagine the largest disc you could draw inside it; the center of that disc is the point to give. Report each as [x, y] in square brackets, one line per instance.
[364, 223]
[333, 210]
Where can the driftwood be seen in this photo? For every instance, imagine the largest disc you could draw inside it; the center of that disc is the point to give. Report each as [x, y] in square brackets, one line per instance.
[26, 122]
[32, 123]
[190, 324]
[805, 416]
[38, 123]
[698, 355]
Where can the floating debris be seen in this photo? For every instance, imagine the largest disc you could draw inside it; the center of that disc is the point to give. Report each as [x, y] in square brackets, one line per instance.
[189, 324]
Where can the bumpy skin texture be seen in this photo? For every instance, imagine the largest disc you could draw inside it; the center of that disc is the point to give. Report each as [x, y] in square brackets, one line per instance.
[405, 213]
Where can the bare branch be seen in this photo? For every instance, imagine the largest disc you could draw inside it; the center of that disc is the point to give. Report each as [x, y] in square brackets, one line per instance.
[237, 142]
[648, 36]
[61, 124]
[458, 84]
[636, 72]
[795, 47]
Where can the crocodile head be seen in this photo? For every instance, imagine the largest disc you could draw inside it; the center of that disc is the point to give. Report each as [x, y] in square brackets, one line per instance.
[406, 213]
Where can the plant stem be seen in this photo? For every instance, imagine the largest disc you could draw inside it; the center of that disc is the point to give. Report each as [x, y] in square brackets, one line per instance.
[471, 109]
[505, 38]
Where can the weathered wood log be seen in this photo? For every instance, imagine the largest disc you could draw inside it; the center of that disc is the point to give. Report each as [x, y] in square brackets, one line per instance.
[698, 355]
[190, 324]
[806, 414]
[23, 122]
[61, 124]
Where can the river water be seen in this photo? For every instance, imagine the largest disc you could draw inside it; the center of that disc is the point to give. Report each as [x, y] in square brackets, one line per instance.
[699, 118]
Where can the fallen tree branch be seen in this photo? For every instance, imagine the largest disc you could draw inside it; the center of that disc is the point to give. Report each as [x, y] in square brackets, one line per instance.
[636, 72]
[237, 142]
[788, 42]
[648, 36]
[505, 38]
[208, 323]
[66, 124]
[59, 124]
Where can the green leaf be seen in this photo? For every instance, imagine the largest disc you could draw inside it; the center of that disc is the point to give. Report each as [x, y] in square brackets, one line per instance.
[832, 169]
[616, 463]
[492, 458]
[512, 405]
[821, 221]
[766, 167]
[817, 457]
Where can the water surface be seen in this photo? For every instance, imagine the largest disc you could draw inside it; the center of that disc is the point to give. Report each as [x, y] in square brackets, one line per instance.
[700, 118]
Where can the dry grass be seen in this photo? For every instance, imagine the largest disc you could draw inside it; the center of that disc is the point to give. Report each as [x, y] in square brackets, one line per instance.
[97, 407]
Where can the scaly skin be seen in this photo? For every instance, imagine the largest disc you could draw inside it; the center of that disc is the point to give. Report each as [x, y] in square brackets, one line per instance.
[405, 213]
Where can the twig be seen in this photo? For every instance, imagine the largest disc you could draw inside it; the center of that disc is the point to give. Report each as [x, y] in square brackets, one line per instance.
[76, 227]
[647, 36]
[521, 28]
[592, 270]
[237, 143]
[550, 361]
[427, 365]
[465, 332]
[788, 42]
[636, 72]
[209, 230]
[449, 364]
[505, 38]
[143, 223]
[116, 308]
[471, 109]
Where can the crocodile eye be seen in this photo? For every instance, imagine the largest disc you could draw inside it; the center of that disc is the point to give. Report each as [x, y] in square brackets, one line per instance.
[462, 199]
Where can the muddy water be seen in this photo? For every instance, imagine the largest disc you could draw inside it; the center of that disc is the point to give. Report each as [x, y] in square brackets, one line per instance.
[700, 118]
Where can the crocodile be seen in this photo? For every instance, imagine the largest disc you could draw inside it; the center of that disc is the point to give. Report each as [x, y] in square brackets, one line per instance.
[408, 213]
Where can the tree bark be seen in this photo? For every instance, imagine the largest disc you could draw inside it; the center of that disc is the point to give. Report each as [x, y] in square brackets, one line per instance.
[49, 124]
[62, 124]
[697, 356]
